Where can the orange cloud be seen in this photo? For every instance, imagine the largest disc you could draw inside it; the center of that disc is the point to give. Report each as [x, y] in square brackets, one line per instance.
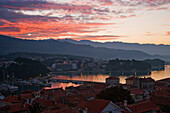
[38, 28]
[168, 33]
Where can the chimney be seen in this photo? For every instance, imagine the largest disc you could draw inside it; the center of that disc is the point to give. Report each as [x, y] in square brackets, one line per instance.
[85, 110]
[125, 103]
[23, 105]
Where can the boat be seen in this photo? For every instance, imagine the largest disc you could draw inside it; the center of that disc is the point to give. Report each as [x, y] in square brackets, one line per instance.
[9, 87]
[47, 85]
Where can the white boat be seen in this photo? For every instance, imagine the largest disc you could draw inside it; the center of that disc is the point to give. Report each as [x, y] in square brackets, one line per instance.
[25, 82]
[47, 85]
[9, 87]
[13, 88]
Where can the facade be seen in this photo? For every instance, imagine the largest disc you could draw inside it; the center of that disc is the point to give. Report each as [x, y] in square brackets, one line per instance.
[98, 106]
[143, 83]
[147, 83]
[133, 82]
[112, 80]
[64, 66]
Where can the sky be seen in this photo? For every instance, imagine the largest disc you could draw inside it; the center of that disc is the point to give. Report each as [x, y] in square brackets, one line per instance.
[132, 21]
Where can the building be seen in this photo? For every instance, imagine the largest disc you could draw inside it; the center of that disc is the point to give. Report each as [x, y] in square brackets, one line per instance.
[147, 83]
[98, 106]
[144, 107]
[28, 96]
[143, 83]
[139, 94]
[133, 82]
[163, 83]
[112, 80]
[64, 66]
[4, 107]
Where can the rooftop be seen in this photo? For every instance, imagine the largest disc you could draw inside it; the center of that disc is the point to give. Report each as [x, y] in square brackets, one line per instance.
[149, 79]
[94, 106]
[113, 78]
[143, 107]
[131, 78]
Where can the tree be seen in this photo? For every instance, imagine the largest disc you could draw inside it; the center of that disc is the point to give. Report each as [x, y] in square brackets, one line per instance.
[36, 108]
[25, 68]
[116, 94]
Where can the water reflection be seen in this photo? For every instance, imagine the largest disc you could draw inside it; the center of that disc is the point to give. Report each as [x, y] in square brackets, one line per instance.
[61, 85]
[101, 78]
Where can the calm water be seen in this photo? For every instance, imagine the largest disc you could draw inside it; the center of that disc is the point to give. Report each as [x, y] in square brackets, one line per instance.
[95, 78]
[101, 78]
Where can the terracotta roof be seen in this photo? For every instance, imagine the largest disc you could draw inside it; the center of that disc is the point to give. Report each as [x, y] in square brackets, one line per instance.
[160, 83]
[27, 91]
[164, 80]
[75, 98]
[143, 107]
[131, 78]
[4, 105]
[113, 78]
[161, 100]
[18, 108]
[162, 91]
[94, 106]
[46, 102]
[64, 110]
[149, 79]
[26, 96]
[55, 107]
[137, 91]
[54, 92]
[11, 99]
[85, 91]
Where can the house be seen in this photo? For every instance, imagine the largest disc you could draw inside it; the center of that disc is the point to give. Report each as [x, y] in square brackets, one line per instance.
[53, 93]
[11, 99]
[28, 96]
[132, 82]
[139, 94]
[162, 91]
[161, 100]
[98, 106]
[144, 107]
[19, 108]
[43, 102]
[142, 83]
[112, 80]
[64, 110]
[4, 107]
[163, 83]
[147, 83]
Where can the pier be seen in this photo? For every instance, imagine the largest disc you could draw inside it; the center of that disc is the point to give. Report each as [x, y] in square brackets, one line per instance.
[68, 81]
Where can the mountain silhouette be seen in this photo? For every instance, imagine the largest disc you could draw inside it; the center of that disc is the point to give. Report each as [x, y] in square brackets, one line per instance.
[11, 45]
[147, 48]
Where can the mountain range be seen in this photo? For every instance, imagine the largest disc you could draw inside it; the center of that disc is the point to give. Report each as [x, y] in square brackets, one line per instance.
[147, 48]
[11, 45]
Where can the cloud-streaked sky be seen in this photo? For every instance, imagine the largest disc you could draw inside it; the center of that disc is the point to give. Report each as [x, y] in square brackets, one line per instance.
[139, 21]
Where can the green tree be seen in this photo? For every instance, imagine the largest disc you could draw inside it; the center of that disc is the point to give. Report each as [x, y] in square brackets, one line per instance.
[116, 94]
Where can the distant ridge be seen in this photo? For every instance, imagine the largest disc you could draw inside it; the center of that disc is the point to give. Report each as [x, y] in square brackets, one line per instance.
[11, 45]
[147, 48]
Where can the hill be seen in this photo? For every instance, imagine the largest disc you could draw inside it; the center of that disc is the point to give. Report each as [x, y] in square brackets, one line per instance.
[10, 45]
[23, 68]
[147, 48]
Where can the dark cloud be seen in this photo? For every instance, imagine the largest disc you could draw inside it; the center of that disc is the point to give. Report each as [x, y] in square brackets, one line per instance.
[12, 16]
[10, 29]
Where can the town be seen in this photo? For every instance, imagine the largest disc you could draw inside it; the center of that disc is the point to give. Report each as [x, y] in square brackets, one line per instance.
[138, 95]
